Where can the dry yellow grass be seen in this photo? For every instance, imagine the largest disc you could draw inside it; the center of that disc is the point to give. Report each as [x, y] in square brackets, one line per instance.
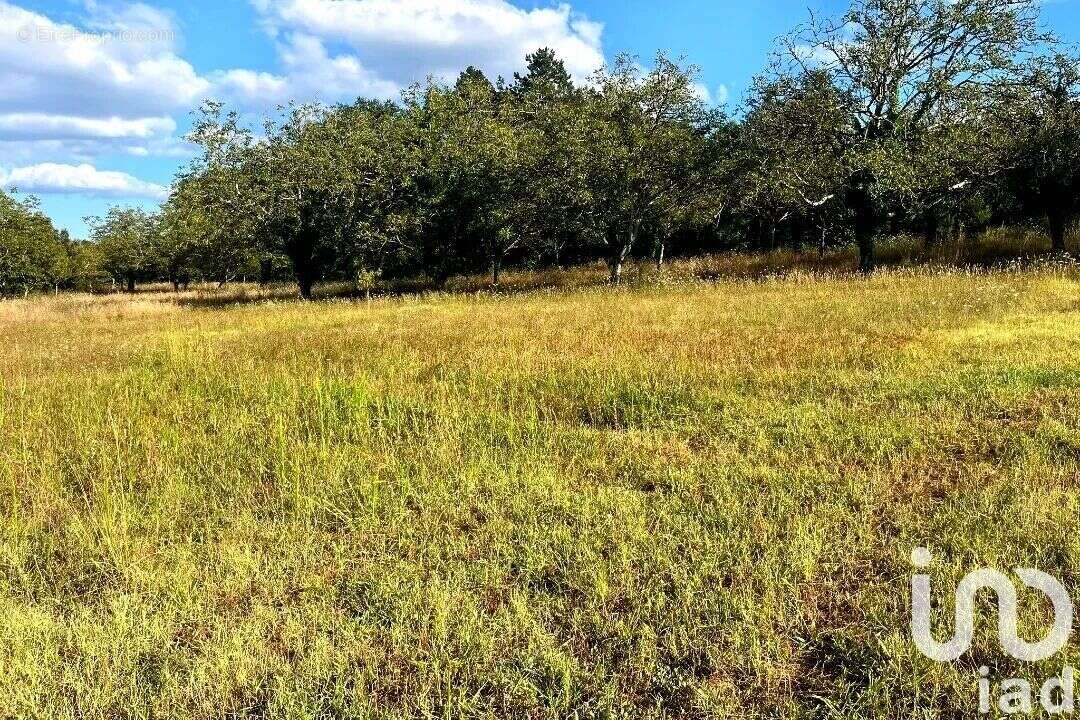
[674, 499]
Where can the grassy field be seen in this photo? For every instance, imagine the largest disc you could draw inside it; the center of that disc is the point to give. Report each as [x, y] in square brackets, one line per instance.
[676, 499]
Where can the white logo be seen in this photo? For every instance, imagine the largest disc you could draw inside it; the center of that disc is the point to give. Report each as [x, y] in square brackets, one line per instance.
[1005, 591]
[1017, 696]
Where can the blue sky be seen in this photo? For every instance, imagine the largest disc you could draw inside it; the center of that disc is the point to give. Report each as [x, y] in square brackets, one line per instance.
[96, 95]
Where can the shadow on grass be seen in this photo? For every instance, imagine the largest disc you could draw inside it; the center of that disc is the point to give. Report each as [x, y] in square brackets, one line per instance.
[994, 249]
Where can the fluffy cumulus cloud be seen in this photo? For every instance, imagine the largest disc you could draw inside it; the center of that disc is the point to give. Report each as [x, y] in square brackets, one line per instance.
[111, 80]
[85, 179]
[114, 82]
[42, 126]
[387, 44]
[310, 73]
[119, 74]
[50, 67]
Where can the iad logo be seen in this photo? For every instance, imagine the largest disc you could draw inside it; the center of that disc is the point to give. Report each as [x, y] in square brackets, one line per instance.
[1017, 695]
[1005, 591]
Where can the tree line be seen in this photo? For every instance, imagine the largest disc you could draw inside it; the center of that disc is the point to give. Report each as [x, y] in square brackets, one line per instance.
[919, 116]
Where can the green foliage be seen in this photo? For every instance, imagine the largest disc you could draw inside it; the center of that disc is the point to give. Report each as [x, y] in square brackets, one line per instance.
[458, 177]
[1040, 123]
[892, 118]
[33, 255]
[790, 151]
[127, 239]
[911, 74]
[644, 146]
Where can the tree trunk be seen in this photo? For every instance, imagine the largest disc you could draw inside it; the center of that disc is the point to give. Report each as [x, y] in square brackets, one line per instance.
[440, 276]
[798, 233]
[266, 271]
[931, 229]
[623, 252]
[753, 234]
[305, 283]
[864, 235]
[301, 251]
[859, 197]
[1058, 227]
[616, 271]
[304, 270]
[660, 254]
[131, 283]
[866, 223]
[496, 271]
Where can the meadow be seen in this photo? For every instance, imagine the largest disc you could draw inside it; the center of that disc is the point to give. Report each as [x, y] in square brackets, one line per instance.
[678, 498]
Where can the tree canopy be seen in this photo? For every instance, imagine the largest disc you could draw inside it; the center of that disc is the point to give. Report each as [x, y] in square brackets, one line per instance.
[897, 115]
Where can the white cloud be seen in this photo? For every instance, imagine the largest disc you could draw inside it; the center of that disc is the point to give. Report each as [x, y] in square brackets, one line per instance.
[89, 149]
[702, 92]
[134, 22]
[51, 67]
[810, 54]
[111, 79]
[723, 94]
[389, 42]
[112, 82]
[35, 126]
[85, 179]
[310, 74]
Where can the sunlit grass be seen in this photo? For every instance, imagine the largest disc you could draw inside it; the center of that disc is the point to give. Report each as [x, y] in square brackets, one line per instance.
[670, 499]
